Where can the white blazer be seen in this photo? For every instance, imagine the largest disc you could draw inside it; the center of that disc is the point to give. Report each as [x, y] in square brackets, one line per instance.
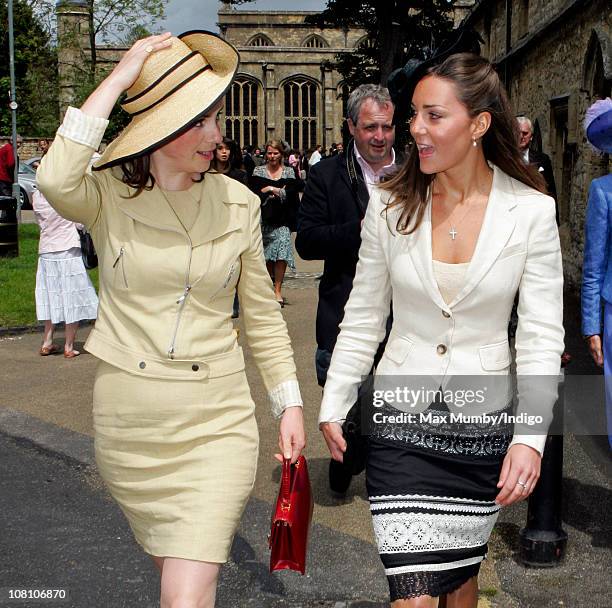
[518, 249]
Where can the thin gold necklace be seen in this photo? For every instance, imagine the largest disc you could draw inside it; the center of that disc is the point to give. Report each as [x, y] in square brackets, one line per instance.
[176, 215]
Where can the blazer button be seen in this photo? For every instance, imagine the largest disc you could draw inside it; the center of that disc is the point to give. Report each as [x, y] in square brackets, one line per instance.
[441, 349]
[445, 314]
[195, 368]
[142, 365]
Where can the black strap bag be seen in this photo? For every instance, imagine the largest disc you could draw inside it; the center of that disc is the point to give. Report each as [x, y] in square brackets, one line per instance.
[88, 251]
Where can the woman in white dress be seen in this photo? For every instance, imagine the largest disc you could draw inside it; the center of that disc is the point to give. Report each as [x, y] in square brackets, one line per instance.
[64, 293]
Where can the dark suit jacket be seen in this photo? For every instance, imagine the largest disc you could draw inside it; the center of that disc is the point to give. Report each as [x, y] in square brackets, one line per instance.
[542, 163]
[328, 228]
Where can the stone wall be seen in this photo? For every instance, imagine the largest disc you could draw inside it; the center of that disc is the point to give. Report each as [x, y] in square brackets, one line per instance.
[279, 47]
[559, 61]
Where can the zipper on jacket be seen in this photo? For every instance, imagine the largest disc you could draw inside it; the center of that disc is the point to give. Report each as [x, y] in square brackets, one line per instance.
[121, 252]
[182, 300]
[230, 274]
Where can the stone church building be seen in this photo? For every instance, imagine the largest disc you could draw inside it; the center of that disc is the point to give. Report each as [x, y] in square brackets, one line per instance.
[286, 86]
[555, 57]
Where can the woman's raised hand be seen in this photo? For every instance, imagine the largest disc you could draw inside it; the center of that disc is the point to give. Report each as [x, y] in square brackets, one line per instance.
[127, 70]
[101, 102]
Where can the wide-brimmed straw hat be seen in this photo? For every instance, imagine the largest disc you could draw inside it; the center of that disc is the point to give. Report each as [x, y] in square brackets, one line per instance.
[598, 125]
[176, 86]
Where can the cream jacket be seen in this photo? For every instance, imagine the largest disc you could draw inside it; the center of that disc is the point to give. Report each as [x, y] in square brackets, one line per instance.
[518, 249]
[165, 302]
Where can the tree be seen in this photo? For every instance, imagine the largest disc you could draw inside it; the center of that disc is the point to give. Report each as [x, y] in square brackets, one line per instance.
[35, 27]
[35, 73]
[396, 31]
[118, 22]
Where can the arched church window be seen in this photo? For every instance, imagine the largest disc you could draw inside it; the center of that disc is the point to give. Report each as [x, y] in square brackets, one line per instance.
[300, 104]
[315, 42]
[365, 42]
[260, 40]
[241, 106]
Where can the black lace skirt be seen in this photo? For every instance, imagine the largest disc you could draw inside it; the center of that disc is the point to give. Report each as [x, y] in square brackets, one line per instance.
[432, 496]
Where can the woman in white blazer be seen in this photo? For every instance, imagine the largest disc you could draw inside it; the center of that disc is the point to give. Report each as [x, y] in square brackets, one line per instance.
[450, 239]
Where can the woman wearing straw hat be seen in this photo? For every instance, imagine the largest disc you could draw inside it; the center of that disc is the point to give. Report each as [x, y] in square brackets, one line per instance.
[175, 433]
[597, 268]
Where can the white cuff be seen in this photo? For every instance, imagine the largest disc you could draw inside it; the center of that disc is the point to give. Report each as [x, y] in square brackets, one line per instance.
[536, 442]
[284, 395]
[82, 128]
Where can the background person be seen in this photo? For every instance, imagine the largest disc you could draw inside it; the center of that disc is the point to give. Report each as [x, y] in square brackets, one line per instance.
[330, 218]
[539, 160]
[278, 180]
[228, 160]
[334, 204]
[7, 167]
[464, 182]
[64, 292]
[316, 156]
[597, 269]
[176, 436]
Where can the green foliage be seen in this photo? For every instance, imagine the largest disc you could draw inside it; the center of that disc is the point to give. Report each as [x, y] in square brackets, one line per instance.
[18, 280]
[115, 21]
[119, 22]
[83, 87]
[135, 33]
[397, 30]
[35, 73]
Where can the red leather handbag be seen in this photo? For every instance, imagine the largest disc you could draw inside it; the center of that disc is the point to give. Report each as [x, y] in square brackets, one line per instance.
[291, 518]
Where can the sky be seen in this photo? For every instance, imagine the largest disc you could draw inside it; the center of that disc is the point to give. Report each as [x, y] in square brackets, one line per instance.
[183, 15]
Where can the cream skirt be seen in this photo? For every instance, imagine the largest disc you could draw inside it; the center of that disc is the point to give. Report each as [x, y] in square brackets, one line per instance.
[179, 457]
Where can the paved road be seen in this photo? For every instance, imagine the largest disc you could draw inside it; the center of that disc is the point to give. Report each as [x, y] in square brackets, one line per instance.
[60, 528]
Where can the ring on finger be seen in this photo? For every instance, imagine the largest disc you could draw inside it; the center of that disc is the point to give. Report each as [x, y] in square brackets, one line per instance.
[149, 48]
[523, 484]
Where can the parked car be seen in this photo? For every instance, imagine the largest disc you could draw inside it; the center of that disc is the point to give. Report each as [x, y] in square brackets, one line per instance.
[33, 162]
[27, 185]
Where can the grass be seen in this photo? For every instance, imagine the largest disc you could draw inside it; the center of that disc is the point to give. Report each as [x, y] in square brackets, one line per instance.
[18, 280]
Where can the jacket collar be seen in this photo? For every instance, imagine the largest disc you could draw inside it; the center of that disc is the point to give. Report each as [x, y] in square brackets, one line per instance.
[218, 213]
[497, 226]
[359, 189]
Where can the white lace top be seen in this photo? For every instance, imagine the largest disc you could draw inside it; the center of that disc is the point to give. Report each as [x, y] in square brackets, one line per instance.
[450, 278]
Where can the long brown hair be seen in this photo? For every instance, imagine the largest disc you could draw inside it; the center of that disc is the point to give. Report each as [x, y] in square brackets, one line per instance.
[479, 89]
